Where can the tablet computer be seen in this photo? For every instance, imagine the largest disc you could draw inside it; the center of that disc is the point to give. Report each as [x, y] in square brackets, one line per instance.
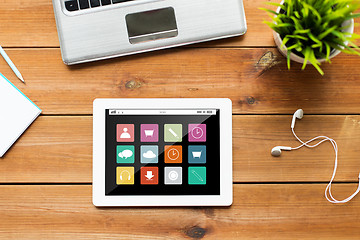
[162, 152]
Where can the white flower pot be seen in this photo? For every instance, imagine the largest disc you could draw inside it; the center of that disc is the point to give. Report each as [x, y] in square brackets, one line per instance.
[296, 58]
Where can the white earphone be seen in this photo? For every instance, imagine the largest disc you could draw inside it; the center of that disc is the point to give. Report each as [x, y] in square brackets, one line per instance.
[276, 152]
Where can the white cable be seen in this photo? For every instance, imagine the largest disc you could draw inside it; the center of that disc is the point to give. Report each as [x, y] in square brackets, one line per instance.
[328, 194]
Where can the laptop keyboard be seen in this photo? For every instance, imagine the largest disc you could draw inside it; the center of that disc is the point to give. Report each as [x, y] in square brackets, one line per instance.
[75, 5]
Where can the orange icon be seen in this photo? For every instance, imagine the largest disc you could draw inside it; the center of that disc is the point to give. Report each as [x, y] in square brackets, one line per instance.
[173, 154]
[149, 175]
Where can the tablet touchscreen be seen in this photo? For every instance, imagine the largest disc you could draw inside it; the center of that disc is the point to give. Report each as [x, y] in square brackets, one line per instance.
[162, 152]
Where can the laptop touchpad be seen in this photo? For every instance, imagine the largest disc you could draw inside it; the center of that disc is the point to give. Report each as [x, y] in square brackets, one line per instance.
[151, 25]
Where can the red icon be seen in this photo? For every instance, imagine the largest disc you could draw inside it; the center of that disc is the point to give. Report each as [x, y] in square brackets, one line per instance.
[125, 132]
[149, 175]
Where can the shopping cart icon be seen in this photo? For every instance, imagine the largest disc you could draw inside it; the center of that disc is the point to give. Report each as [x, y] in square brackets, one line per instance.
[149, 133]
[196, 154]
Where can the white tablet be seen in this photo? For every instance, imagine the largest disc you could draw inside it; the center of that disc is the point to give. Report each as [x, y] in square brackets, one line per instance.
[162, 152]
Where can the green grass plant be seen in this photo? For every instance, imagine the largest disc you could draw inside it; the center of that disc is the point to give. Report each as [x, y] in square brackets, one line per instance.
[312, 29]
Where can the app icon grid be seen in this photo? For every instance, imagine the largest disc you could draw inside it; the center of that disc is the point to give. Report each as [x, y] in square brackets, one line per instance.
[173, 154]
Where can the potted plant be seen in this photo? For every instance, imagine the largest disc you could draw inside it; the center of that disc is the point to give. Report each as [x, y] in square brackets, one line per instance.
[314, 31]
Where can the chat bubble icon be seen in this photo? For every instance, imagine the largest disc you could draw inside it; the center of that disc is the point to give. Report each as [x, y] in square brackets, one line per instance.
[125, 154]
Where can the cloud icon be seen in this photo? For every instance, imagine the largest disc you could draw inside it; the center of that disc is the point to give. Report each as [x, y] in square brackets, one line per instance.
[149, 154]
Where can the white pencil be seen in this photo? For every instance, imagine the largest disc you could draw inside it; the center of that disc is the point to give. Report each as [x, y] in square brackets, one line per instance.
[11, 64]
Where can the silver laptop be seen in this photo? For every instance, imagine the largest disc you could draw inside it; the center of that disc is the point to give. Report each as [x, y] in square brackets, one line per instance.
[91, 30]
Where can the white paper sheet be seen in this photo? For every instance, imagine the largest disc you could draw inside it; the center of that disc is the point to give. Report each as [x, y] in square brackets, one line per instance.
[17, 112]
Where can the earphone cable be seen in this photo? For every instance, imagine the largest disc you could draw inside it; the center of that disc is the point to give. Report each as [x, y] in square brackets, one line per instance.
[328, 194]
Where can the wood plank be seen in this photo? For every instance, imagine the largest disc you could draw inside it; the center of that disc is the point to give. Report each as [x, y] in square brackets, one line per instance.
[193, 73]
[27, 23]
[255, 136]
[53, 149]
[259, 212]
[48, 153]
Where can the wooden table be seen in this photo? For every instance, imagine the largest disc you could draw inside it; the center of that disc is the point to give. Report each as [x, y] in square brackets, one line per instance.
[45, 179]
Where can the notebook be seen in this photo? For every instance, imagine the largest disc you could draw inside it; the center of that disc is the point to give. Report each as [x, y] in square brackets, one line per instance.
[17, 112]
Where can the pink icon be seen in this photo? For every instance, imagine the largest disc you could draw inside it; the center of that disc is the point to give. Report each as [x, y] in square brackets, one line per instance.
[197, 133]
[125, 132]
[149, 132]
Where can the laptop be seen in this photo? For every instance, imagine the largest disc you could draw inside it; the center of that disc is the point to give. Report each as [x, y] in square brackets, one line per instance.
[92, 30]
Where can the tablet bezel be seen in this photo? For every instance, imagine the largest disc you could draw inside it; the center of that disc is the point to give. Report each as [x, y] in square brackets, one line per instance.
[226, 192]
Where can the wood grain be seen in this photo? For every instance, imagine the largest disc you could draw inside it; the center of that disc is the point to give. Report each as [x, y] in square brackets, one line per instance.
[53, 149]
[241, 75]
[255, 136]
[258, 212]
[32, 24]
[27, 23]
[59, 149]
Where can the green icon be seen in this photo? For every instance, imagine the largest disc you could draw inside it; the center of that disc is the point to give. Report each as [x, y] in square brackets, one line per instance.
[173, 132]
[197, 175]
[125, 154]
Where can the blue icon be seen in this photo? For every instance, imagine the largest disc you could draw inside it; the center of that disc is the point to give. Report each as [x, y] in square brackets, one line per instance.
[197, 154]
[149, 154]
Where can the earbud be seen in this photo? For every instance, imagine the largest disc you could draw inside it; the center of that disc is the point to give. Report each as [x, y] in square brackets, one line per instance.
[298, 114]
[276, 151]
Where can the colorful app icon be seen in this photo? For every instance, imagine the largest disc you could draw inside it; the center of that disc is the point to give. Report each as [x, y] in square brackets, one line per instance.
[197, 133]
[173, 133]
[173, 154]
[149, 153]
[173, 175]
[149, 175]
[197, 154]
[149, 132]
[197, 175]
[125, 132]
[124, 175]
[125, 154]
